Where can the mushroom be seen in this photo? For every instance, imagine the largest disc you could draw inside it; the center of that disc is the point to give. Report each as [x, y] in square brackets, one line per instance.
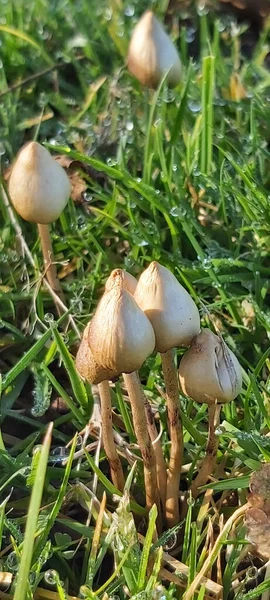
[121, 337]
[175, 319]
[152, 54]
[90, 370]
[39, 190]
[209, 372]
[130, 283]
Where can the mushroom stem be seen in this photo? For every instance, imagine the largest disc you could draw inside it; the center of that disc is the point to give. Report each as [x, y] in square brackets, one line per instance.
[176, 436]
[136, 396]
[209, 460]
[47, 251]
[157, 447]
[107, 436]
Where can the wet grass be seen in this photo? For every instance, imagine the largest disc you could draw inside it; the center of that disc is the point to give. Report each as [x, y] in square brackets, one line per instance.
[181, 177]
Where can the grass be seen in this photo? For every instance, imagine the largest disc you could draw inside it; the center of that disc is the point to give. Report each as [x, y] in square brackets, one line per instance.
[181, 177]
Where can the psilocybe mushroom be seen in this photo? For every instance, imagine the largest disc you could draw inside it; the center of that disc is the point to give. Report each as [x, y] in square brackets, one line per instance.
[120, 338]
[209, 372]
[152, 54]
[175, 320]
[130, 283]
[95, 374]
[39, 190]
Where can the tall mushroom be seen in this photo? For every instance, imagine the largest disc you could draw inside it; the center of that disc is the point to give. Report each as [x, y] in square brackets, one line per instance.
[39, 190]
[209, 372]
[152, 54]
[175, 319]
[130, 284]
[121, 338]
[92, 372]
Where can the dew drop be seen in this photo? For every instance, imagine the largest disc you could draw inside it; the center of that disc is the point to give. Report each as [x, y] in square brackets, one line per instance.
[48, 318]
[51, 577]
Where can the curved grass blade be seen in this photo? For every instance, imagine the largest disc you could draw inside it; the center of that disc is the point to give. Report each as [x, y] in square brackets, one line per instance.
[22, 581]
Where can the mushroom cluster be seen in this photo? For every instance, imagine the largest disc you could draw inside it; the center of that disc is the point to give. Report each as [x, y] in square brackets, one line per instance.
[132, 320]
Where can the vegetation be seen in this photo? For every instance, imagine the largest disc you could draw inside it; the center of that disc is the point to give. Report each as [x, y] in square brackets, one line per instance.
[180, 177]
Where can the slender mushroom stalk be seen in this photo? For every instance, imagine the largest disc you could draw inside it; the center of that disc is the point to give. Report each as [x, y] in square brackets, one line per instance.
[152, 54]
[39, 190]
[89, 370]
[175, 320]
[209, 372]
[208, 464]
[48, 258]
[136, 397]
[176, 437]
[120, 338]
[107, 436]
[158, 452]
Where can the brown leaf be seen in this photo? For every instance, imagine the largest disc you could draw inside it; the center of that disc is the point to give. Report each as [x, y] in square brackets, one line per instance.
[258, 530]
[69, 268]
[259, 486]
[257, 518]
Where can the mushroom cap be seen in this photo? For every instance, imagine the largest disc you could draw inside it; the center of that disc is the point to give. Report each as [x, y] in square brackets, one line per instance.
[209, 371]
[152, 53]
[171, 310]
[129, 282]
[39, 187]
[86, 365]
[120, 335]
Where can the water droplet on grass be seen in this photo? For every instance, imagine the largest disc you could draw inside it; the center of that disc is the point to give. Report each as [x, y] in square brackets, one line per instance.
[48, 318]
[129, 10]
[194, 106]
[51, 577]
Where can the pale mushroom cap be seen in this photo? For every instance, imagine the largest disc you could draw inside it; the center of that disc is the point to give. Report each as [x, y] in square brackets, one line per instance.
[86, 365]
[209, 371]
[39, 187]
[169, 307]
[129, 282]
[151, 53]
[120, 335]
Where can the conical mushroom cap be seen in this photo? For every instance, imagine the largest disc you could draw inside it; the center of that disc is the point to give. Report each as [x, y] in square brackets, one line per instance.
[120, 335]
[39, 187]
[169, 307]
[86, 365]
[151, 53]
[129, 282]
[209, 371]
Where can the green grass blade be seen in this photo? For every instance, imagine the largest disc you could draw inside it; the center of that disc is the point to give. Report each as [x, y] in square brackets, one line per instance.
[31, 524]
[147, 548]
[77, 384]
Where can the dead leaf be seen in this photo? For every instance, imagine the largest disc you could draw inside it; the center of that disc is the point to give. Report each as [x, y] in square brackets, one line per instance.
[258, 530]
[248, 314]
[75, 170]
[68, 268]
[237, 90]
[257, 518]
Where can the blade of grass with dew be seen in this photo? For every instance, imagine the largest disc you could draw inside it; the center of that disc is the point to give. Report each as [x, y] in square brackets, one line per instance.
[147, 548]
[187, 533]
[77, 384]
[95, 544]
[139, 510]
[22, 580]
[57, 504]
[63, 394]
[208, 84]
[25, 361]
